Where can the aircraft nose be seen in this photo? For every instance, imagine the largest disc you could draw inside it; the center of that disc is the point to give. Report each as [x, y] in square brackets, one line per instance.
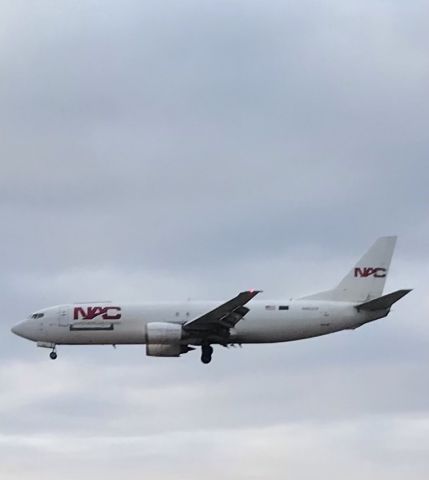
[19, 329]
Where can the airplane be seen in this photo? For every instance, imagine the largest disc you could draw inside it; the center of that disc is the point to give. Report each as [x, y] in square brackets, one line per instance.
[170, 329]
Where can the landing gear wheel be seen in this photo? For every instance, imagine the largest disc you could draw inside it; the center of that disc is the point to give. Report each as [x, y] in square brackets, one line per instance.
[53, 355]
[206, 353]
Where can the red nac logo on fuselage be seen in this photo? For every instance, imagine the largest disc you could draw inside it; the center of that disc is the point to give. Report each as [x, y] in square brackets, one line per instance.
[365, 272]
[90, 313]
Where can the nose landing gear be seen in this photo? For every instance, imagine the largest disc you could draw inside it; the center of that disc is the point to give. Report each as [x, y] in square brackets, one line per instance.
[206, 353]
[53, 355]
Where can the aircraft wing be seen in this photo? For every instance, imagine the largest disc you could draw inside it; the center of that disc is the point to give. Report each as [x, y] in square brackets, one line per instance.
[222, 318]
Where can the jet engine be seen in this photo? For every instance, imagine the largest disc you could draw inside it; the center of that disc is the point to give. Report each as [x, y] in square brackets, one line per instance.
[157, 350]
[163, 340]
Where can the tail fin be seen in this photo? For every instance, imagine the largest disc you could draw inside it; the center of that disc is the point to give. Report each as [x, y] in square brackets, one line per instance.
[366, 280]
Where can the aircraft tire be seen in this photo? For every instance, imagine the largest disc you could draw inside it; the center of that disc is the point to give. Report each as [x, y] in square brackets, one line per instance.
[206, 359]
[206, 354]
[53, 355]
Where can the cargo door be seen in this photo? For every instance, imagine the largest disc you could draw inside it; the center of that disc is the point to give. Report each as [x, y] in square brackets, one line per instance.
[64, 316]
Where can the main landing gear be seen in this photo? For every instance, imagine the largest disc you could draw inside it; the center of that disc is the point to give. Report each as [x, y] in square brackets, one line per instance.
[53, 355]
[206, 353]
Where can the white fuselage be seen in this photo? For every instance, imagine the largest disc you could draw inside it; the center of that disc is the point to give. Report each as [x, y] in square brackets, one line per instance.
[170, 329]
[266, 322]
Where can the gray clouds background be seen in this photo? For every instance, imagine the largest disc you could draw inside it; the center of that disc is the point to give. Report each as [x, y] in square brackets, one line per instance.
[191, 149]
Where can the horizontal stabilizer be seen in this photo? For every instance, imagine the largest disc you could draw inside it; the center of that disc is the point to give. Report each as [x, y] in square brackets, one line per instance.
[384, 302]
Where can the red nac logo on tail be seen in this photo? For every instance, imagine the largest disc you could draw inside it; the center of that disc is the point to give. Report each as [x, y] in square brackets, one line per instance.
[376, 272]
[90, 313]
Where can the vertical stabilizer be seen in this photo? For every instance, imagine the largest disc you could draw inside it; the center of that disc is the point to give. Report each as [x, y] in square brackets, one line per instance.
[367, 278]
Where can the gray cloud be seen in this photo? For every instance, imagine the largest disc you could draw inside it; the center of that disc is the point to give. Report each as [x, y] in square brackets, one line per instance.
[192, 149]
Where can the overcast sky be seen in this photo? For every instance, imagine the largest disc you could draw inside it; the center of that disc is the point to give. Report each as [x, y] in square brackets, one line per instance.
[192, 149]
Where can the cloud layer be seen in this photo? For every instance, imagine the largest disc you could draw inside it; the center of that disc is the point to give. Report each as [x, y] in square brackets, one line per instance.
[192, 149]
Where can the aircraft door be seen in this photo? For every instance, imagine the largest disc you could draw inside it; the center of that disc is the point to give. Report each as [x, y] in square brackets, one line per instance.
[63, 316]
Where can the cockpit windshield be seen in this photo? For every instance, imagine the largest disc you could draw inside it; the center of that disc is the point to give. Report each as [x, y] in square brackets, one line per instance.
[37, 315]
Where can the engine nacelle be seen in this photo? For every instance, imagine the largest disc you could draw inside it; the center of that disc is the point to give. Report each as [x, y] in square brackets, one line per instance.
[163, 333]
[157, 350]
[163, 340]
